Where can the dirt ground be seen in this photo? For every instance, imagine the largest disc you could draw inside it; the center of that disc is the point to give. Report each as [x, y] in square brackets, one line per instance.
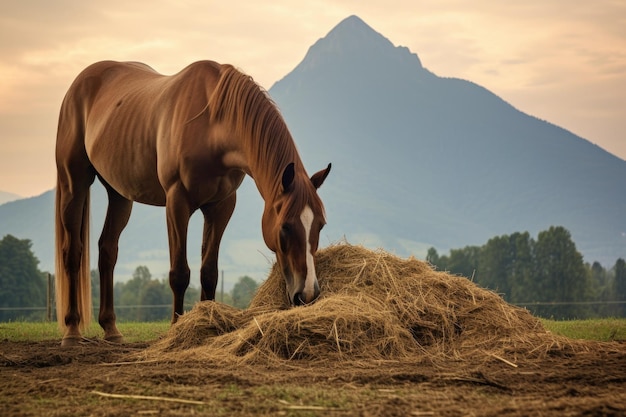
[41, 378]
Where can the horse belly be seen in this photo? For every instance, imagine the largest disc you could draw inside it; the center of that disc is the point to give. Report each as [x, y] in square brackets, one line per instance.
[149, 192]
[131, 173]
[139, 188]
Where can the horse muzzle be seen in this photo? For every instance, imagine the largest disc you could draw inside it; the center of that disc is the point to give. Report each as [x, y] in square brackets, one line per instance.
[304, 297]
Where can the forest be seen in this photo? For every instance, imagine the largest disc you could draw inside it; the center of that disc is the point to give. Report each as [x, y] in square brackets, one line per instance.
[546, 275]
[23, 289]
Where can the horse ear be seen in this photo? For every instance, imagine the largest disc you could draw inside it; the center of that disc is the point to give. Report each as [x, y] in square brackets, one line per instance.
[318, 178]
[288, 175]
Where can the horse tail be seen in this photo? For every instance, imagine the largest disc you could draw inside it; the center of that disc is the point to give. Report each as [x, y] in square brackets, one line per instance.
[62, 279]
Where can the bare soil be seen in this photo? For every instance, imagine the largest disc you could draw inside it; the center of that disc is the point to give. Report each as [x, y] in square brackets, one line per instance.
[43, 379]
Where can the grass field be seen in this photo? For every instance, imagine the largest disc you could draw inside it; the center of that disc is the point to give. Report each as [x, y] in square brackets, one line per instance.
[603, 330]
[609, 329]
[38, 331]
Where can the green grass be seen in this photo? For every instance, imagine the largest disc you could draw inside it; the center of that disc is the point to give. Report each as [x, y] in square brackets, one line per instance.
[37, 331]
[596, 329]
[593, 329]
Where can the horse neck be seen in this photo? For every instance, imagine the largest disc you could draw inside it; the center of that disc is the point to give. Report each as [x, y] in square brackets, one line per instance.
[251, 116]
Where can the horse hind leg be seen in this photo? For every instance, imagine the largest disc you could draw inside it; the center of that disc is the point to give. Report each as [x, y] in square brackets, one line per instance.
[118, 213]
[73, 289]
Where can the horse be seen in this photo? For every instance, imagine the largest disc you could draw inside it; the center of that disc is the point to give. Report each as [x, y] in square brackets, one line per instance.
[186, 142]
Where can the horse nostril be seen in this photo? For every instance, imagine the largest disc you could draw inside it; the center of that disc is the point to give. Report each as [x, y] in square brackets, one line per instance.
[297, 299]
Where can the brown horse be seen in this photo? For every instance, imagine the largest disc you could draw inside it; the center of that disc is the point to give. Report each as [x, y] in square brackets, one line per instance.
[184, 142]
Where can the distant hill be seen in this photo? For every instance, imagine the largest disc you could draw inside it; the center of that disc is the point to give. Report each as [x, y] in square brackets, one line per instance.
[6, 197]
[418, 161]
[144, 241]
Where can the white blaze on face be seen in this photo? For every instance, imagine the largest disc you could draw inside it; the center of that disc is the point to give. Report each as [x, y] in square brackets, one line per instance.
[309, 283]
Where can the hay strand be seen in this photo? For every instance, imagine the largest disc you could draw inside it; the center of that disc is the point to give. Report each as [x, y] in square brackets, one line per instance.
[146, 397]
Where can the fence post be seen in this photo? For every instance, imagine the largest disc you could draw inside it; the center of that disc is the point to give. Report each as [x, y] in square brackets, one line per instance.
[222, 293]
[49, 299]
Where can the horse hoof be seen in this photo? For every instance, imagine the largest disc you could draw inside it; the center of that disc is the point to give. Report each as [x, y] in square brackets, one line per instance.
[70, 341]
[117, 339]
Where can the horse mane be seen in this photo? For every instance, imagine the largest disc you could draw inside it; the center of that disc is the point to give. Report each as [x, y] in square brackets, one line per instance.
[239, 102]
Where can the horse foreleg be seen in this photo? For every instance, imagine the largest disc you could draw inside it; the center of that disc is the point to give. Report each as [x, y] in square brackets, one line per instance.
[178, 213]
[116, 220]
[216, 217]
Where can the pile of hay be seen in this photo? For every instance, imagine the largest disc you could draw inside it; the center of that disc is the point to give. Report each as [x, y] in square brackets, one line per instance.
[373, 306]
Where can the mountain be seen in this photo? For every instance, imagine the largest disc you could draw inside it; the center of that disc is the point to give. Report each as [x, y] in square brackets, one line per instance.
[6, 197]
[418, 161]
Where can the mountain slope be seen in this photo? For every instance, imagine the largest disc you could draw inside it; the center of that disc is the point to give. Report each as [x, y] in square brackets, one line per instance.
[439, 161]
[7, 197]
[144, 241]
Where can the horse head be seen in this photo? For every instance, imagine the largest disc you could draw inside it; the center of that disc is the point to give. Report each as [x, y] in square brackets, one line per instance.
[291, 228]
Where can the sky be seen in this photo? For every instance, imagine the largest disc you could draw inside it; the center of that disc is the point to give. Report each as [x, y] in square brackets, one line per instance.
[558, 60]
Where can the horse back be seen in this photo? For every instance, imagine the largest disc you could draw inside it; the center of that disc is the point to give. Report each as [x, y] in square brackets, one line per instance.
[123, 113]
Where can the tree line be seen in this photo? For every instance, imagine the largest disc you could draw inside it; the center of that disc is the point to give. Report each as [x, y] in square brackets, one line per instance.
[22, 284]
[23, 289]
[547, 275]
[143, 298]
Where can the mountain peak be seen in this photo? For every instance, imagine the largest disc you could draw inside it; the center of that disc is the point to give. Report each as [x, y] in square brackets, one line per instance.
[354, 32]
[353, 43]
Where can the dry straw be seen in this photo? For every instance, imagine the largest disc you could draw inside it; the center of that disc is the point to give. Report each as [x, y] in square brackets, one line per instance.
[373, 306]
